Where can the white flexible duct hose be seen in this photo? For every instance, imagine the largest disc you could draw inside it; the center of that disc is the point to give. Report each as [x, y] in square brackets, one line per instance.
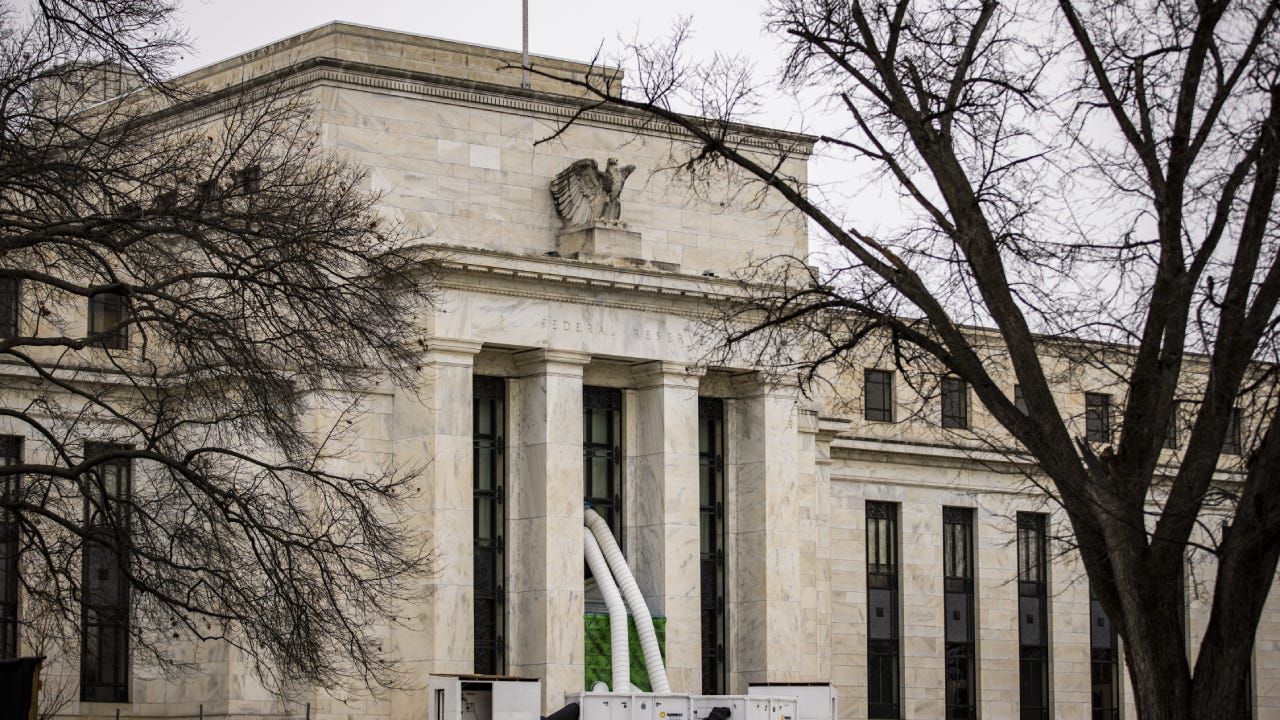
[635, 601]
[618, 650]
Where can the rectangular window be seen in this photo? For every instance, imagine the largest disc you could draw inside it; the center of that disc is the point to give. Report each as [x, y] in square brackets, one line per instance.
[1097, 417]
[884, 699]
[106, 321]
[878, 393]
[955, 403]
[602, 454]
[1033, 617]
[8, 306]
[957, 573]
[1104, 653]
[1171, 430]
[10, 454]
[1018, 401]
[104, 645]
[488, 495]
[1231, 443]
[711, 552]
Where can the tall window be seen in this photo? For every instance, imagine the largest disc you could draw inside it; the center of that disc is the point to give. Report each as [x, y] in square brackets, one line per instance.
[1104, 652]
[602, 454]
[8, 306]
[955, 403]
[1097, 417]
[10, 453]
[487, 493]
[1019, 401]
[106, 318]
[711, 555]
[1231, 443]
[957, 572]
[1033, 617]
[883, 688]
[104, 647]
[878, 395]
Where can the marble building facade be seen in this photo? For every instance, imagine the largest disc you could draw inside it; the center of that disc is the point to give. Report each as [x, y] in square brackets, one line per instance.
[452, 143]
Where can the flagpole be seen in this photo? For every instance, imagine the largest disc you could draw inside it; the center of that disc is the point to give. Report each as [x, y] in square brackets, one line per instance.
[524, 82]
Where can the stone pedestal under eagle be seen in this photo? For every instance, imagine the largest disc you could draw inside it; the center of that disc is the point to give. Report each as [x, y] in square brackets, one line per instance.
[586, 196]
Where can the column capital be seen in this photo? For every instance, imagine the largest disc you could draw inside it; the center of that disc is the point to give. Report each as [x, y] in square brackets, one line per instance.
[664, 372]
[451, 352]
[760, 384]
[550, 361]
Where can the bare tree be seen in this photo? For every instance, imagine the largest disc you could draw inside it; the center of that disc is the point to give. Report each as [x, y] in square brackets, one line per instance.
[196, 298]
[1099, 172]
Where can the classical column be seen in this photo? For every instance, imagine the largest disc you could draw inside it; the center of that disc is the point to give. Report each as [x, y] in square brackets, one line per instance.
[544, 552]
[662, 522]
[431, 433]
[765, 602]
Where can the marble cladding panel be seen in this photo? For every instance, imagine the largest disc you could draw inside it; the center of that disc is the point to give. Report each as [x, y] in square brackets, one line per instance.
[593, 328]
[493, 149]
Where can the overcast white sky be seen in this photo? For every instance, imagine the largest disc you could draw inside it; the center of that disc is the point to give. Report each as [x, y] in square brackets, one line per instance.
[571, 29]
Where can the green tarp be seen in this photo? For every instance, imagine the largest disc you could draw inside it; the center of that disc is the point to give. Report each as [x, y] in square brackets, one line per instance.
[599, 661]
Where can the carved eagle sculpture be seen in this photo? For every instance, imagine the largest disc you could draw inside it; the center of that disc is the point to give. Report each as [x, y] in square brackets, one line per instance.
[585, 196]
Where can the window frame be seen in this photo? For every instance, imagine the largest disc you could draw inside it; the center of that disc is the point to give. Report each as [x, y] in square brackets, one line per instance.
[959, 631]
[884, 654]
[883, 380]
[107, 623]
[10, 302]
[954, 393]
[10, 610]
[1097, 417]
[103, 331]
[713, 586]
[1034, 661]
[488, 499]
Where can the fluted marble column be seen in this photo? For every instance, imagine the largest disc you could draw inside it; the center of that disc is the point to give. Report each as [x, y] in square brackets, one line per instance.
[545, 556]
[431, 432]
[663, 518]
[765, 600]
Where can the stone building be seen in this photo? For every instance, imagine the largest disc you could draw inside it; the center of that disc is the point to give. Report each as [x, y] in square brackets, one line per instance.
[781, 538]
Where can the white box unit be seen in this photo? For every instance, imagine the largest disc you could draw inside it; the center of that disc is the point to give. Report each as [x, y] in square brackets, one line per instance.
[814, 701]
[631, 706]
[745, 707]
[484, 697]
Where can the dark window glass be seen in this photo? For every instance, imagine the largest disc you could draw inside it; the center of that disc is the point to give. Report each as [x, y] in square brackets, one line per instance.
[249, 179]
[107, 315]
[488, 496]
[104, 646]
[1171, 430]
[1033, 617]
[10, 454]
[1104, 653]
[711, 553]
[1018, 401]
[957, 573]
[955, 403]
[878, 387]
[602, 454]
[1231, 443]
[1097, 417]
[8, 306]
[884, 698]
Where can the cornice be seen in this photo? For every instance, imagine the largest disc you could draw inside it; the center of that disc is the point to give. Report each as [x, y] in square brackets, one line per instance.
[558, 279]
[320, 70]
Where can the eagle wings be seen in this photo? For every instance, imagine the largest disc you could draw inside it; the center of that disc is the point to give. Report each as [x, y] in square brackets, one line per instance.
[586, 196]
